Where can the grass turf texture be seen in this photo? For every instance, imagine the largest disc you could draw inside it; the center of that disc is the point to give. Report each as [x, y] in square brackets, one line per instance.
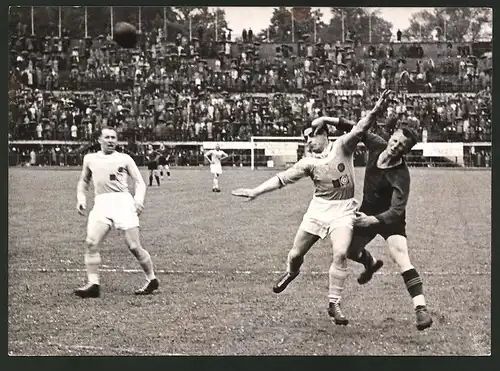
[217, 258]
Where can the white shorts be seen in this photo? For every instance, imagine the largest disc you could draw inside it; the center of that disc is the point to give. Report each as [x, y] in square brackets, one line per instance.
[116, 209]
[216, 169]
[324, 216]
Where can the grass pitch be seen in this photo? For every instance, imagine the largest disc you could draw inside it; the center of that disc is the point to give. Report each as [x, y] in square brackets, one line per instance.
[217, 258]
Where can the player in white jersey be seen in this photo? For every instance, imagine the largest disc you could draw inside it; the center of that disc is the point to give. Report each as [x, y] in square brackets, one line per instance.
[332, 211]
[215, 157]
[113, 205]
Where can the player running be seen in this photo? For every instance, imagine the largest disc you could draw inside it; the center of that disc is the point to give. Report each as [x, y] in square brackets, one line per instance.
[383, 211]
[113, 205]
[332, 209]
[215, 157]
[152, 159]
[163, 161]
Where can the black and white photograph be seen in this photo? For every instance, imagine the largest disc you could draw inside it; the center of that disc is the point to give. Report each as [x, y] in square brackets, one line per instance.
[262, 181]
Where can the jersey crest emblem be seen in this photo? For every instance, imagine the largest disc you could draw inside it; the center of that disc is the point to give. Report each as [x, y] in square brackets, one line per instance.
[344, 180]
[341, 182]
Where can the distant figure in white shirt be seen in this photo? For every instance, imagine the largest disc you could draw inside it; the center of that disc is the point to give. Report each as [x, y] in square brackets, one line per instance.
[214, 157]
[113, 205]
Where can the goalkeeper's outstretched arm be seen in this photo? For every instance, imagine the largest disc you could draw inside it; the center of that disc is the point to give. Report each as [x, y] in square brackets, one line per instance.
[340, 123]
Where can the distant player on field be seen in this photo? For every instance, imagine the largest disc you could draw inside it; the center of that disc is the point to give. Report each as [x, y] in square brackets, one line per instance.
[215, 157]
[383, 211]
[113, 205]
[152, 159]
[163, 161]
[332, 209]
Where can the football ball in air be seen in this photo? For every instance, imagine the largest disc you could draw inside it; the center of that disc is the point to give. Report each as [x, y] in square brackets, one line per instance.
[125, 35]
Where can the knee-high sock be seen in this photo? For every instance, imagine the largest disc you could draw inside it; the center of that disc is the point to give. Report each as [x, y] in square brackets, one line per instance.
[92, 264]
[337, 276]
[415, 286]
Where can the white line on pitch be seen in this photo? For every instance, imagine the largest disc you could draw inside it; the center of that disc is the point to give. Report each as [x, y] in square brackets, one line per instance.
[215, 272]
[94, 348]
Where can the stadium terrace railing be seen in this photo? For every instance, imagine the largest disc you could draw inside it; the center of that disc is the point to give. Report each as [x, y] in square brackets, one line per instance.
[256, 154]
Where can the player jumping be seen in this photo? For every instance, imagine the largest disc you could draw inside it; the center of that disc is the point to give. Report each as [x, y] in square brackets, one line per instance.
[332, 209]
[113, 205]
[215, 157]
[152, 159]
[383, 211]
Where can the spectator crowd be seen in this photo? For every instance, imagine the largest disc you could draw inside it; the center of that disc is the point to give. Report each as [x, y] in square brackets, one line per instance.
[192, 90]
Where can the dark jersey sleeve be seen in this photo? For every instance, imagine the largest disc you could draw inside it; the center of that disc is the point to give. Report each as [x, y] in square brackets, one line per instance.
[345, 125]
[373, 142]
[399, 179]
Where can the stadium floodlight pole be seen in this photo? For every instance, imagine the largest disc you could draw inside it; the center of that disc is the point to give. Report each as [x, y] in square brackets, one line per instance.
[111, 19]
[293, 26]
[190, 27]
[446, 18]
[370, 27]
[60, 22]
[216, 25]
[86, 25]
[32, 20]
[165, 21]
[140, 16]
[315, 31]
[343, 26]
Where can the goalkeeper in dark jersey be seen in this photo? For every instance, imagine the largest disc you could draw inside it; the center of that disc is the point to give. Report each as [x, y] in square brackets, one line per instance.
[383, 211]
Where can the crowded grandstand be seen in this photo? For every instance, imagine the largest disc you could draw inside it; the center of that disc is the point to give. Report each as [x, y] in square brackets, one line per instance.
[183, 89]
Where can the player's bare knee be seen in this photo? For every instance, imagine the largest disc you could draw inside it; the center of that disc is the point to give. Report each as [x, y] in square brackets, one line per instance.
[91, 243]
[340, 253]
[339, 257]
[398, 249]
[134, 246]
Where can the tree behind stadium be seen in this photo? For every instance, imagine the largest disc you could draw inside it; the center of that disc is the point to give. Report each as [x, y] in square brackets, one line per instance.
[462, 24]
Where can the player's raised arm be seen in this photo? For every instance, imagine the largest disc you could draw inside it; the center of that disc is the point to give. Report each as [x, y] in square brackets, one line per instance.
[351, 139]
[83, 185]
[140, 185]
[340, 123]
[298, 171]
[373, 141]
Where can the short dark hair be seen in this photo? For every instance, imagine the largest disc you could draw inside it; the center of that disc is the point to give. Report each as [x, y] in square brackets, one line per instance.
[322, 130]
[411, 135]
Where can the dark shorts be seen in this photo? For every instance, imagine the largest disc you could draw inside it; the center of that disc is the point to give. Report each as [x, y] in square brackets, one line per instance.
[162, 161]
[385, 230]
[152, 165]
